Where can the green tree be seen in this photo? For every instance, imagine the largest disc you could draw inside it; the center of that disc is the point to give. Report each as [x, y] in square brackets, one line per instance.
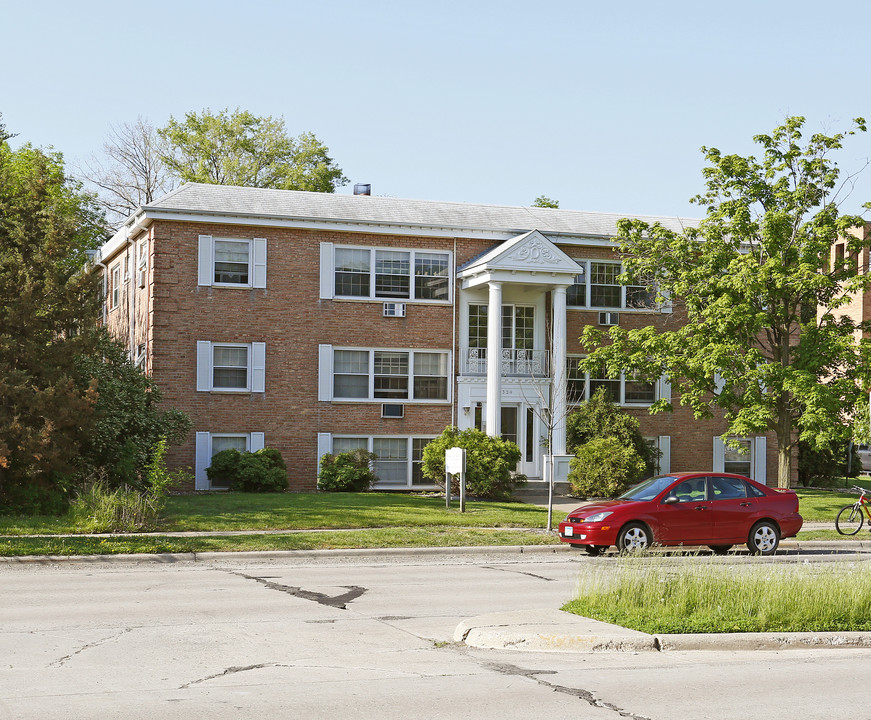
[48, 311]
[543, 201]
[761, 338]
[599, 418]
[240, 148]
[129, 422]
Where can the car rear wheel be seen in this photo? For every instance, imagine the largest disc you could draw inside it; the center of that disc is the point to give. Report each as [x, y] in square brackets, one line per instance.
[764, 538]
[720, 549]
[634, 536]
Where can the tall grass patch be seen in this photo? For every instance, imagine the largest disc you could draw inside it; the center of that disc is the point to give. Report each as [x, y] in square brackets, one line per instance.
[702, 595]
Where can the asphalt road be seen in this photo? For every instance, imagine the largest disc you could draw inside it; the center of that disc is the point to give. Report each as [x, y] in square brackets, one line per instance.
[360, 635]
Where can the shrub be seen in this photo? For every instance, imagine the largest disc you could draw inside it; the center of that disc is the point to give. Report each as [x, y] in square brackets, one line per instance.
[490, 462]
[825, 467]
[103, 508]
[347, 472]
[129, 419]
[598, 417]
[261, 471]
[604, 467]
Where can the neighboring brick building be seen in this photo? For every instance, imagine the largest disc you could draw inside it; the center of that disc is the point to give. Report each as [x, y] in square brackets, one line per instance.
[317, 323]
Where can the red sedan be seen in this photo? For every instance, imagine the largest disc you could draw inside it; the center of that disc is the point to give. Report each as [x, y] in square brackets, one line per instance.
[704, 508]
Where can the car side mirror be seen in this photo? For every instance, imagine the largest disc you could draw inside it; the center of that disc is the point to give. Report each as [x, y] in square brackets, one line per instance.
[670, 500]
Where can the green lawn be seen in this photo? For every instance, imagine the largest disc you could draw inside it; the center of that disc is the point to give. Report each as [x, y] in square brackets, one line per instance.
[308, 511]
[330, 540]
[367, 520]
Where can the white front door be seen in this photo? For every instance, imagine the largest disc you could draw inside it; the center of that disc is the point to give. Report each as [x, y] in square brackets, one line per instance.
[521, 426]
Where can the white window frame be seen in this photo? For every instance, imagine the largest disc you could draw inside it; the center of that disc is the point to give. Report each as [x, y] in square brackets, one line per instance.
[586, 264]
[661, 388]
[254, 441]
[256, 367]
[370, 447]
[115, 286]
[256, 262]
[758, 456]
[327, 375]
[328, 274]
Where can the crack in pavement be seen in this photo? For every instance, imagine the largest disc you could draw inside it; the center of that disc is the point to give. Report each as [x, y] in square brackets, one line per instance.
[337, 601]
[518, 572]
[88, 646]
[585, 695]
[232, 671]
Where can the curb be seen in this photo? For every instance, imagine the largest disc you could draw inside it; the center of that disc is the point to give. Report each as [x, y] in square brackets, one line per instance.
[166, 558]
[787, 546]
[550, 630]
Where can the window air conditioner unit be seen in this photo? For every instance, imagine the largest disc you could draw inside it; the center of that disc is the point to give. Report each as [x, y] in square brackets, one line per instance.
[609, 318]
[140, 278]
[392, 309]
[392, 410]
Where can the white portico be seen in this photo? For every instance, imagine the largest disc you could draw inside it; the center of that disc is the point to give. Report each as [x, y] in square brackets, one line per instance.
[503, 305]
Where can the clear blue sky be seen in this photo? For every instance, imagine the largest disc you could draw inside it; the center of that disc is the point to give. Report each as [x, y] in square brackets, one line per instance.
[602, 106]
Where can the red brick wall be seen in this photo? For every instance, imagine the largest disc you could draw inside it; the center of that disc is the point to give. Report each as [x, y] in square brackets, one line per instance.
[291, 319]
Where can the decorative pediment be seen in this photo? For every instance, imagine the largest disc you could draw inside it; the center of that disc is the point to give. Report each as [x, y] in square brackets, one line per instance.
[530, 258]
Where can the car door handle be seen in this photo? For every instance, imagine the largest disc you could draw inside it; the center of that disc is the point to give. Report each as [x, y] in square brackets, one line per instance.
[700, 507]
[746, 504]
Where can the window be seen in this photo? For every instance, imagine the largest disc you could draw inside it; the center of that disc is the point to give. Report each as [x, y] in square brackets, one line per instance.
[398, 462]
[726, 488]
[209, 444]
[598, 286]
[227, 442]
[390, 375]
[739, 459]
[748, 457]
[624, 389]
[390, 274]
[115, 292]
[232, 262]
[518, 327]
[231, 367]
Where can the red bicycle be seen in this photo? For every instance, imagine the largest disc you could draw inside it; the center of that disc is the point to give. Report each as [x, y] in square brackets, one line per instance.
[851, 517]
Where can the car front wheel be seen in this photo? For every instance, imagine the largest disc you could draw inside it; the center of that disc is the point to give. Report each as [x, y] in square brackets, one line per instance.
[634, 536]
[764, 538]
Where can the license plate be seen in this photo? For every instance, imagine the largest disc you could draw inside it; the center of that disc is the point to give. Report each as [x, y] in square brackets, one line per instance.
[569, 531]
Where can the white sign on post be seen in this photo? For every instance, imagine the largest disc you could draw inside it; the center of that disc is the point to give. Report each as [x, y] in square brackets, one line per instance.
[455, 460]
[455, 464]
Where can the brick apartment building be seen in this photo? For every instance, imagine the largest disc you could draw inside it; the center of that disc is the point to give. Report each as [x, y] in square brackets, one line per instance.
[317, 323]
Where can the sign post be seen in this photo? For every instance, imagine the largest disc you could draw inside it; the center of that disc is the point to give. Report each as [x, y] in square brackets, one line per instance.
[455, 464]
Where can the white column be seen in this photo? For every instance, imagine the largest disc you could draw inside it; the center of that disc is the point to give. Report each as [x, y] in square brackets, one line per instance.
[558, 365]
[494, 361]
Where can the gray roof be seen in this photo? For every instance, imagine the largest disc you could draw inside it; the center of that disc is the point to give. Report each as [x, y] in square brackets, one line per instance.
[196, 198]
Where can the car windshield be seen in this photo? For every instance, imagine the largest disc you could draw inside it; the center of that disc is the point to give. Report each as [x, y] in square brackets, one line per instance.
[649, 489]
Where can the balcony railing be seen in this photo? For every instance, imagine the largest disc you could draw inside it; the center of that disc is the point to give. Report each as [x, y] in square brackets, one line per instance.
[514, 363]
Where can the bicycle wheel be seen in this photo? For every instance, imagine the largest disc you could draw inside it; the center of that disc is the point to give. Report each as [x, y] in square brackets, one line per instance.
[850, 519]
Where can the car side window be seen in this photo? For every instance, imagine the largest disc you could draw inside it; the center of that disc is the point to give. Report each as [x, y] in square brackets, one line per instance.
[727, 488]
[691, 490]
[753, 491]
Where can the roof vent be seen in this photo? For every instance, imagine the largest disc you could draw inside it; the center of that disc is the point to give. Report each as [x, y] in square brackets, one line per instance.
[362, 189]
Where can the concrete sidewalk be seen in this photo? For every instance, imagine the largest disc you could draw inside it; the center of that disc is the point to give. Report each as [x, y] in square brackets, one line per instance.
[550, 630]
